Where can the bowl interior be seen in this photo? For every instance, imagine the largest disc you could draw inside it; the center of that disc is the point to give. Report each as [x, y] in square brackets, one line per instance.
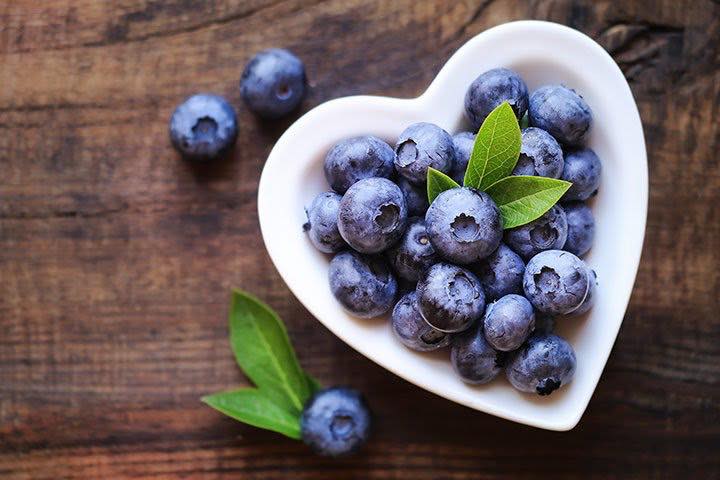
[293, 175]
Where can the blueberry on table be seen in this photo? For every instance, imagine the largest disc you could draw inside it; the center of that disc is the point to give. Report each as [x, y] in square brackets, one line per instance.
[450, 298]
[414, 253]
[463, 142]
[540, 154]
[508, 322]
[363, 284]
[203, 127]
[416, 197]
[473, 359]
[561, 112]
[557, 282]
[321, 226]
[273, 83]
[464, 225]
[335, 422]
[583, 169]
[412, 329]
[372, 215]
[421, 146]
[357, 158]
[500, 273]
[490, 90]
[548, 232]
[581, 228]
[545, 363]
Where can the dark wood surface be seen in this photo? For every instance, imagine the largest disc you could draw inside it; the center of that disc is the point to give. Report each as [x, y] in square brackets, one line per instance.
[116, 258]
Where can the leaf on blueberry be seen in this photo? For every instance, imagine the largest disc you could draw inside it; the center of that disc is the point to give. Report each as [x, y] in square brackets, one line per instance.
[496, 149]
[522, 199]
[252, 406]
[438, 182]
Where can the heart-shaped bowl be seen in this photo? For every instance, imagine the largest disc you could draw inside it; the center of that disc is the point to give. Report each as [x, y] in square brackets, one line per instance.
[541, 53]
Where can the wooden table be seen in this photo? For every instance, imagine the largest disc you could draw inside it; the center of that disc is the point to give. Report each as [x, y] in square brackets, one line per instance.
[116, 258]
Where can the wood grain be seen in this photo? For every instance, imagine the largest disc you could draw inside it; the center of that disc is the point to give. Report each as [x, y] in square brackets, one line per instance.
[116, 258]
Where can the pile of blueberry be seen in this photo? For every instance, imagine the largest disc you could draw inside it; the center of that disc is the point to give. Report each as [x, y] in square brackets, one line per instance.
[447, 271]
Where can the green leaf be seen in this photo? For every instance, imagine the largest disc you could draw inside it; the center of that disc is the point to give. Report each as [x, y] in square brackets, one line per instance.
[438, 182]
[496, 149]
[252, 406]
[522, 199]
[313, 383]
[262, 349]
[525, 121]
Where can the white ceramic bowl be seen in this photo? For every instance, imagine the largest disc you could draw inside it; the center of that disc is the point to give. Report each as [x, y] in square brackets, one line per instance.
[541, 53]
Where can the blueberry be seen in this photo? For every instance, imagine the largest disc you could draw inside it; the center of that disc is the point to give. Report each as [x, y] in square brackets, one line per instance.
[415, 197]
[583, 169]
[412, 329]
[356, 158]
[473, 359]
[463, 142]
[581, 228]
[335, 422]
[500, 273]
[321, 226]
[203, 127]
[508, 321]
[363, 284]
[589, 301]
[420, 146]
[273, 83]
[546, 233]
[540, 155]
[414, 253]
[464, 225]
[542, 365]
[372, 215]
[450, 297]
[557, 282]
[561, 112]
[491, 89]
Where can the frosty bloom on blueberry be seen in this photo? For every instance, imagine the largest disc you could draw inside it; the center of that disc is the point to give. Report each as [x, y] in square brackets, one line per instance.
[581, 228]
[557, 282]
[500, 273]
[335, 422]
[414, 253]
[322, 223]
[411, 328]
[450, 297]
[357, 158]
[464, 225]
[508, 322]
[473, 359]
[561, 112]
[273, 83]
[583, 169]
[372, 215]
[491, 89]
[540, 154]
[203, 127]
[543, 365]
[546, 233]
[363, 284]
[420, 146]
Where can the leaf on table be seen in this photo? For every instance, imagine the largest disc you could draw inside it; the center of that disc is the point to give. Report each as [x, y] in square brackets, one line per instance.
[496, 149]
[263, 351]
[252, 406]
[438, 182]
[522, 199]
